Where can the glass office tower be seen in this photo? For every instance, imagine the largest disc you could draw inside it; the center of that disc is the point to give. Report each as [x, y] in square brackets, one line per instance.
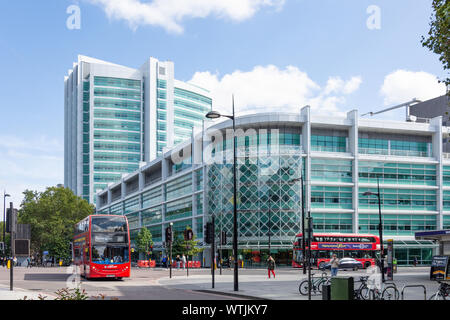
[117, 118]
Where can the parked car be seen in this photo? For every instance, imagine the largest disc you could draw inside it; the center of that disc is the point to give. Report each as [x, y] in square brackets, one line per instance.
[346, 264]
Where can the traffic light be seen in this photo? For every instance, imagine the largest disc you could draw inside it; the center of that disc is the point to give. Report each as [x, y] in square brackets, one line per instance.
[169, 235]
[209, 232]
[223, 238]
[188, 235]
[11, 220]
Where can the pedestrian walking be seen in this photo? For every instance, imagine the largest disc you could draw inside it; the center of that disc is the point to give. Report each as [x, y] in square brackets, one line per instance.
[164, 261]
[270, 266]
[178, 260]
[415, 261]
[334, 265]
[183, 259]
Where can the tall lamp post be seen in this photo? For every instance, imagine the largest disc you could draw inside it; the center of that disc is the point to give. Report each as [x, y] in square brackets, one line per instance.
[4, 221]
[303, 220]
[216, 115]
[380, 226]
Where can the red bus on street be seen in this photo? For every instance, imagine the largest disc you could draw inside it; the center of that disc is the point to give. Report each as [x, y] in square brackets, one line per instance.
[361, 247]
[101, 247]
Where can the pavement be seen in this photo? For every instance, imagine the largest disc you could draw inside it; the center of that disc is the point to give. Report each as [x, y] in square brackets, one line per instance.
[285, 285]
[22, 294]
[155, 284]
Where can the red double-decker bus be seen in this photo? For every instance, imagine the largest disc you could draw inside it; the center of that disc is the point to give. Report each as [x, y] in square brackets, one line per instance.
[101, 247]
[361, 247]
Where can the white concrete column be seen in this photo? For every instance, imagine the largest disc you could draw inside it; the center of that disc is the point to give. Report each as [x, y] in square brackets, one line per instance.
[353, 148]
[437, 154]
[305, 114]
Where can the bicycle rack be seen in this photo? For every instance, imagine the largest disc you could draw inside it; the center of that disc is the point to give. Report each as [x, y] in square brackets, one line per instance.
[416, 286]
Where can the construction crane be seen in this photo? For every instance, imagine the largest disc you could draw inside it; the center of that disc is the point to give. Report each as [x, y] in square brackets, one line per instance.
[407, 105]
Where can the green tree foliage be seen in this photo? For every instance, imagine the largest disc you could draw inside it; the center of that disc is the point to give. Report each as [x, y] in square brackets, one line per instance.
[144, 241]
[52, 215]
[189, 248]
[438, 40]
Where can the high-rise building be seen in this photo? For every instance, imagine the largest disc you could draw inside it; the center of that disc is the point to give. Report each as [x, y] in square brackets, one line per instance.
[116, 117]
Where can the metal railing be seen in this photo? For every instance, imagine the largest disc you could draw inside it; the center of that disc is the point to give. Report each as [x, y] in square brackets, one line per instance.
[415, 286]
[393, 152]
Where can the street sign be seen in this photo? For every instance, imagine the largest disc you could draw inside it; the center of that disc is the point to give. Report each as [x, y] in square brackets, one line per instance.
[45, 253]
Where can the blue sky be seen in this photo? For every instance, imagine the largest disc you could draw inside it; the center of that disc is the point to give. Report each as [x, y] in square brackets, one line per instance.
[272, 54]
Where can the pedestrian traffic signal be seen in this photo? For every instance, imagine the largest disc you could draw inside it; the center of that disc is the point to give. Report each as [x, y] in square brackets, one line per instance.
[223, 238]
[11, 220]
[188, 235]
[169, 235]
[209, 233]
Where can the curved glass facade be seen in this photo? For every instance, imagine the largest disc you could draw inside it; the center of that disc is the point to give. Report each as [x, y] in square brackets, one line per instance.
[266, 164]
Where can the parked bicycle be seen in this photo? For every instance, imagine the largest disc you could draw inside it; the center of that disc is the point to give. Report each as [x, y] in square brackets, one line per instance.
[388, 291]
[362, 292]
[442, 293]
[316, 284]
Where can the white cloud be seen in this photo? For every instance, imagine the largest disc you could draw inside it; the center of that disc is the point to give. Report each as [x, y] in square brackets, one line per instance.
[269, 88]
[337, 85]
[402, 86]
[34, 164]
[170, 13]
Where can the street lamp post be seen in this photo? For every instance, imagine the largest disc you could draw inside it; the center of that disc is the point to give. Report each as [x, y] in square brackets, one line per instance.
[216, 115]
[303, 220]
[380, 226]
[4, 221]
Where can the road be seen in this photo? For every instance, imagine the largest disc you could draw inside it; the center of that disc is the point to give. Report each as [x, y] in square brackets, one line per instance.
[155, 284]
[141, 286]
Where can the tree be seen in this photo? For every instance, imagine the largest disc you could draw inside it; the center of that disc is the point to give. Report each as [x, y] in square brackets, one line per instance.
[52, 215]
[439, 33]
[189, 248]
[144, 241]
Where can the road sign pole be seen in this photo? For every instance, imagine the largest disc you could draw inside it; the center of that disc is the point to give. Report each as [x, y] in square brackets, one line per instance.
[213, 253]
[13, 251]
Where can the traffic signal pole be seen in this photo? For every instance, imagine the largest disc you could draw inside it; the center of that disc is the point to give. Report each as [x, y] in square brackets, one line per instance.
[213, 253]
[13, 251]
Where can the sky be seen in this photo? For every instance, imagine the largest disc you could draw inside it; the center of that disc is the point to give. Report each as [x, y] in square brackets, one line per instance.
[273, 55]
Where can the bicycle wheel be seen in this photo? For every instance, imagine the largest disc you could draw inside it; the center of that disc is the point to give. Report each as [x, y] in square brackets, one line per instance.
[437, 296]
[303, 287]
[390, 293]
[364, 293]
[319, 285]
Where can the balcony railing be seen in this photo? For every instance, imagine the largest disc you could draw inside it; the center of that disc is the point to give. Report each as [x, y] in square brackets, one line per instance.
[393, 152]
[329, 149]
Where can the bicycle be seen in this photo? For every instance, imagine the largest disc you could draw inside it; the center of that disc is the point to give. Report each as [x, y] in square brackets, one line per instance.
[389, 292]
[442, 293]
[316, 284]
[362, 292]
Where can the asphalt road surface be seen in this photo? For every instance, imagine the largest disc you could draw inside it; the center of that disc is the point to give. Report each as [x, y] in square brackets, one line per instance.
[142, 285]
